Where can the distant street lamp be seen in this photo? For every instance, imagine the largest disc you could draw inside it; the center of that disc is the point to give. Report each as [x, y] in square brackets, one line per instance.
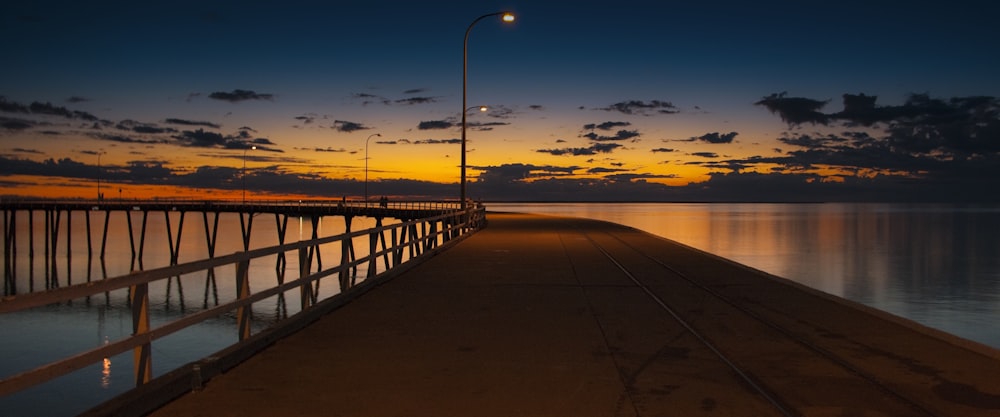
[506, 17]
[366, 166]
[245, 172]
[482, 109]
[99, 153]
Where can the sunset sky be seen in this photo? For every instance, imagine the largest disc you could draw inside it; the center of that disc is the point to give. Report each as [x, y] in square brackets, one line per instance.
[627, 100]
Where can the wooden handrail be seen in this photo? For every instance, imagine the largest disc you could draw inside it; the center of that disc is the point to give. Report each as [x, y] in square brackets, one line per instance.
[453, 224]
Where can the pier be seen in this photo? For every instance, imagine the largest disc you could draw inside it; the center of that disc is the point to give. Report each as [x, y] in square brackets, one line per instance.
[237, 286]
[57, 238]
[547, 316]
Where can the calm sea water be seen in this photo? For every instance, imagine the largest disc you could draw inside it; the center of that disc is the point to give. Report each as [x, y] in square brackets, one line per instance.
[38, 336]
[936, 264]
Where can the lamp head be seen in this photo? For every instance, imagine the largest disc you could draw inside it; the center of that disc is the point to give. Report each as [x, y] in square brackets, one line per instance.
[483, 108]
[507, 17]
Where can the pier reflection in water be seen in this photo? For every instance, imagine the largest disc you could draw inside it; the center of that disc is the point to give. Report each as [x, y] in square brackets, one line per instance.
[42, 335]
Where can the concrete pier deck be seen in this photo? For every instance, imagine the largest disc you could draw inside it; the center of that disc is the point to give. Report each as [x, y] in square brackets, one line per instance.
[549, 316]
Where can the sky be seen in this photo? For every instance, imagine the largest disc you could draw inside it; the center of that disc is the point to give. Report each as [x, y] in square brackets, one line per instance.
[587, 101]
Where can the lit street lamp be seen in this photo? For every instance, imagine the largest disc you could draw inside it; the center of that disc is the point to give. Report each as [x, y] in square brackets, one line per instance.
[245, 172]
[506, 17]
[366, 166]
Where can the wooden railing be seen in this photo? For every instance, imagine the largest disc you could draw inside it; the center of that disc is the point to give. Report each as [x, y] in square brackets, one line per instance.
[395, 246]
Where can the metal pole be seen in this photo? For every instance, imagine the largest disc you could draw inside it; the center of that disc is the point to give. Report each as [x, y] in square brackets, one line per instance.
[99, 153]
[244, 175]
[366, 166]
[465, 77]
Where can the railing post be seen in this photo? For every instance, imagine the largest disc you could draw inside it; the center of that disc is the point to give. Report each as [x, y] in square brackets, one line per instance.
[381, 235]
[142, 355]
[305, 290]
[345, 254]
[397, 244]
[9, 252]
[243, 292]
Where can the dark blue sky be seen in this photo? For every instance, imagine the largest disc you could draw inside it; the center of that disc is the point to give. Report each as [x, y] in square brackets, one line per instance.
[589, 100]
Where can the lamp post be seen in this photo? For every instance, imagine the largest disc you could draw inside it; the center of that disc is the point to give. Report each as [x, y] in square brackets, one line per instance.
[366, 166]
[506, 17]
[99, 153]
[245, 173]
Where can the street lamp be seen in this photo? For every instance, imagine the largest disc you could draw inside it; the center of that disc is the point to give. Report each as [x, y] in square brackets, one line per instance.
[99, 153]
[245, 173]
[506, 17]
[366, 166]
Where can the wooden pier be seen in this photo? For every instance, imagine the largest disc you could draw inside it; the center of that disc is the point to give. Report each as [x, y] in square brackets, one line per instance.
[57, 237]
[548, 316]
[385, 247]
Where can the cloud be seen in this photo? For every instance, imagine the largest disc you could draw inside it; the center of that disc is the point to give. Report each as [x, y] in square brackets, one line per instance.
[328, 149]
[236, 96]
[76, 99]
[500, 112]
[601, 170]
[706, 154]
[12, 107]
[434, 141]
[126, 139]
[31, 151]
[605, 125]
[49, 109]
[417, 100]
[262, 141]
[348, 127]
[367, 99]
[655, 150]
[716, 137]
[448, 124]
[637, 177]
[145, 128]
[795, 110]
[184, 122]
[485, 126]
[591, 150]
[621, 135]
[16, 124]
[518, 172]
[959, 128]
[639, 107]
[43, 109]
[415, 91]
[435, 124]
[200, 138]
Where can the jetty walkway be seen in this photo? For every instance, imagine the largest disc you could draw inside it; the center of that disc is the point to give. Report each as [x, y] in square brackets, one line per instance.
[551, 316]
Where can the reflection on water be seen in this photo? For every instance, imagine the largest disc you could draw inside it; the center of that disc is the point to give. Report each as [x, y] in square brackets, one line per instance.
[39, 336]
[936, 264]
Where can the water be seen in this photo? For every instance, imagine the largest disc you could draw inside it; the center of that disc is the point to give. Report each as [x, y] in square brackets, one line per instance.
[936, 264]
[38, 336]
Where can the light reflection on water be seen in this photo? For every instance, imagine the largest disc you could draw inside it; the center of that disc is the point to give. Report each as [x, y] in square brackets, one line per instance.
[936, 264]
[39, 336]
